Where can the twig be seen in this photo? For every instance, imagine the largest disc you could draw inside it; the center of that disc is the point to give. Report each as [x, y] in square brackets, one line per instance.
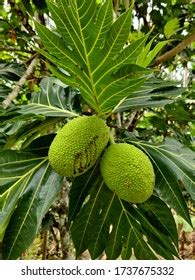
[131, 119]
[115, 4]
[180, 47]
[119, 119]
[44, 245]
[20, 83]
[30, 58]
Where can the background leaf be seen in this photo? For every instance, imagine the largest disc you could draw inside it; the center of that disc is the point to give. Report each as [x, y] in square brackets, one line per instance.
[153, 94]
[147, 54]
[26, 132]
[171, 27]
[52, 101]
[4, 90]
[14, 164]
[18, 179]
[40, 146]
[174, 170]
[11, 71]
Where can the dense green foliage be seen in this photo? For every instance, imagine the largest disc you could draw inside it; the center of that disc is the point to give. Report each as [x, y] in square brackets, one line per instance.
[61, 59]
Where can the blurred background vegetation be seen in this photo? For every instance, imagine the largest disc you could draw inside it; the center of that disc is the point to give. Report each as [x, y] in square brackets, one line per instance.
[22, 69]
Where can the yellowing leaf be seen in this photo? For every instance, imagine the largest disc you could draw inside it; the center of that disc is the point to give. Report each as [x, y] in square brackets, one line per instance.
[171, 27]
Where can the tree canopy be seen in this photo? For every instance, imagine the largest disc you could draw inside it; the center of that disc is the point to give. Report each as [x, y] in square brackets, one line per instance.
[132, 64]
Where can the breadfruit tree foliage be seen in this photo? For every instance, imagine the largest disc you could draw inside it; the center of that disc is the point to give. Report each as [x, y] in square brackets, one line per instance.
[95, 65]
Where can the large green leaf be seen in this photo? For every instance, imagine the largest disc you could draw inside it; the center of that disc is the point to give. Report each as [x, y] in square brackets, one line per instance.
[51, 105]
[78, 194]
[174, 165]
[12, 170]
[106, 223]
[40, 145]
[51, 101]
[162, 216]
[154, 93]
[13, 165]
[25, 222]
[89, 49]
[26, 132]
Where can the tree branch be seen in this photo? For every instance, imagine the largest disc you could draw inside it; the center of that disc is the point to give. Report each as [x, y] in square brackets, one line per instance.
[20, 83]
[180, 47]
[115, 4]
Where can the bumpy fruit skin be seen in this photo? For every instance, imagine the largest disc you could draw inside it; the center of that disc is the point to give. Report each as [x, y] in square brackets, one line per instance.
[128, 172]
[77, 146]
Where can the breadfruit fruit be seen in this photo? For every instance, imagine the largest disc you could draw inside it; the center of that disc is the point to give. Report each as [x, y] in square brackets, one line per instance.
[128, 172]
[77, 146]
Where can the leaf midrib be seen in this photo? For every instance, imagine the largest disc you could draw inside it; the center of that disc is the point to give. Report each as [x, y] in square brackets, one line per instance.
[115, 235]
[20, 161]
[27, 213]
[83, 189]
[133, 229]
[165, 179]
[20, 180]
[87, 61]
[104, 220]
[172, 162]
[89, 217]
[110, 49]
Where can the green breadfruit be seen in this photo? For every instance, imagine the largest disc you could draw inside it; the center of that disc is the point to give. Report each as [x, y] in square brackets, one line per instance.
[128, 172]
[77, 146]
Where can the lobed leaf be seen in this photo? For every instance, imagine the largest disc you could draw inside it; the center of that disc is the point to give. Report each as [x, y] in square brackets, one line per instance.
[17, 168]
[103, 222]
[91, 48]
[174, 169]
[78, 194]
